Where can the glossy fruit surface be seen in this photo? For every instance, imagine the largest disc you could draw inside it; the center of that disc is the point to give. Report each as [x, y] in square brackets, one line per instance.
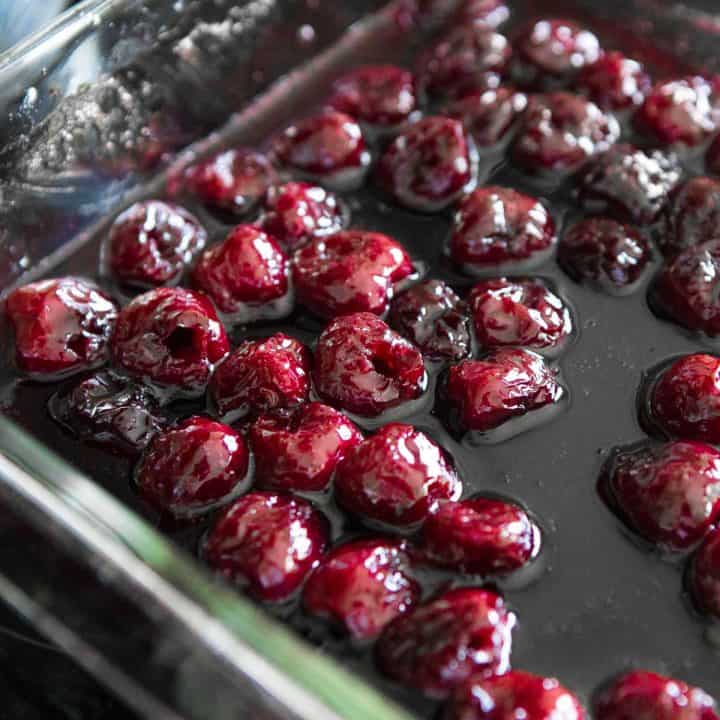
[614, 82]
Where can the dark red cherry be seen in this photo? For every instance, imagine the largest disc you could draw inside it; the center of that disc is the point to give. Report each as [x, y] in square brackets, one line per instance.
[705, 575]
[482, 536]
[61, 326]
[684, 111]
[362, 586]
[507, 383]
[152, 243]
[629, 184]
[433, 318]
[234, 180]
[297, 212]
[484, 13]
[610, 255]
[439, 645]
[329, 146]
[267, 544]
[516, 694]
[260, 376]
[522, 313]
[428, 165]
[363, 366]
[614, 82]
[350, 271]
[245, 275]
[396, 478]
[669, 494]
[380, 96]
[170, 336]
[298, 451]
[114, 412]
[560, 131]
[193, 467]
[684, 401]
[713, 157]
[639, 694]
[498, 228]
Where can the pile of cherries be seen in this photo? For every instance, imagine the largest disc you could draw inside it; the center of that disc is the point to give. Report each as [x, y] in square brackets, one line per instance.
[282, 427]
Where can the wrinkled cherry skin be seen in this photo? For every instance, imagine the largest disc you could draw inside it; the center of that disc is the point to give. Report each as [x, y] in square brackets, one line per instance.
[433, 318]
[685, 400]
[297, 212]
[267, 544]
[380, 96]
[428, 165]
[560, 131]
[610, 255]
[523, 313]
[260, 376]
[480, 536]
[362, 586]
[705, 575]
[669, 494]
[614, 82]
[61, 326]
[641, 695]
[396, 477]
[248, 267]
[692, 216]
[629, 184]
[363, 366]
[192, 467]
[298, 451]
[509, 382]
[170, 336]
[439, 645]
[685, 111]
[516, 694]
[496, 225]
[350, 271]
[234, 180]
[152, 243]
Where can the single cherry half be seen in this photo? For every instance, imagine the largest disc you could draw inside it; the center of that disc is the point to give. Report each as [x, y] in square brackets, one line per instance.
[704, 575]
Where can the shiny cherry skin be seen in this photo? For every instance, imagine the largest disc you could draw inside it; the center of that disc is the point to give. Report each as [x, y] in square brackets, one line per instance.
[610, 255]
[704, 576]
[507, 383]
[439, 645]
[669, 494]
[234, 180]
[297, 212]
[614, 82]
[171, 337]
[480, 536]
[523, 313]
[152, 243]
[193, 467]
[61, 326]
[350, 271]
[363, 366]
[496, 227]
[433, 318]
[298, 451]
[362, 586]
[516, 694]
[261, 376]
[267, 544]
[429, 165]
[396, 478]
[484, 13]
[640, 694]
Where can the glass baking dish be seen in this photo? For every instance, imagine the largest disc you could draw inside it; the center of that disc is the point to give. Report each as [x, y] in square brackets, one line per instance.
[133, 609]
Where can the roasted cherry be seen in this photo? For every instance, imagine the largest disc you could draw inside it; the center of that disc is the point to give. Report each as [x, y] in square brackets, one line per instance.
[614, 82]
[61, 326]
[260, 376]
[704, 575]
[193, 467]
[363, 366]
[299, 450]
[350, 271]
[267, 544]
[362, 586]
[441, 644]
